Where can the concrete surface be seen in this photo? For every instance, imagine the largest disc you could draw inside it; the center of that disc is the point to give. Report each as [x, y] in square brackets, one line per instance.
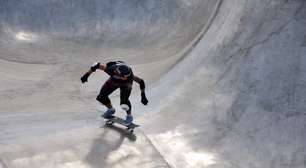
[226, 83]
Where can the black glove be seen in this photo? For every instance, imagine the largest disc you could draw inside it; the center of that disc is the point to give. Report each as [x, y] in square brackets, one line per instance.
[85, 77]
[144, 99]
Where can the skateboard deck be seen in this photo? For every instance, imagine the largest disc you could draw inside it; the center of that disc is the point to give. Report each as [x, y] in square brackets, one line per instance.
[120, 121]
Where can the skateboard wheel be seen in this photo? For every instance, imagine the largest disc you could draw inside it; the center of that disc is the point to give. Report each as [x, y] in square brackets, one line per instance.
[131, 130]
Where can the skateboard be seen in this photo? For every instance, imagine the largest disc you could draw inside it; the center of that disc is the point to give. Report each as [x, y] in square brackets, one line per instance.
[113, 119]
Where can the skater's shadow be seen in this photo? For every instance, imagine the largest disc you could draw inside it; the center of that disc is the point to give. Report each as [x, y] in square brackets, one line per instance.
[105, 144]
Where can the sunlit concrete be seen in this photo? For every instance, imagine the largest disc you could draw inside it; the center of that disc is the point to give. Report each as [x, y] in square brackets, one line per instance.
[225, 81]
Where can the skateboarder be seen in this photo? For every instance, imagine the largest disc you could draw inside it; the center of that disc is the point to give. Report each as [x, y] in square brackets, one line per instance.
[121, 76]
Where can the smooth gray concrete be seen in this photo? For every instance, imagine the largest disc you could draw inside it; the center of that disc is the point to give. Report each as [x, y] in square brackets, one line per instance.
[226, 81]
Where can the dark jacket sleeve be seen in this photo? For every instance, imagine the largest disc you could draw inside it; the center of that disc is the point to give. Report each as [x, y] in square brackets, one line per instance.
[140, 82]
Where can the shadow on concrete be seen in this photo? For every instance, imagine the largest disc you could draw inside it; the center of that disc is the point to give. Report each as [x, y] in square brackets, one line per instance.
[105, 144]
[2, 164]
[101, 148]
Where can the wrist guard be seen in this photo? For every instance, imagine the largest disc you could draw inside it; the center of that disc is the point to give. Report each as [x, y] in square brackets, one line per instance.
[95, 66]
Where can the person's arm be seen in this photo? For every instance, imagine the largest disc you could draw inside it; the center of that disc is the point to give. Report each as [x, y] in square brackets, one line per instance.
[92, 69]
[142, 85]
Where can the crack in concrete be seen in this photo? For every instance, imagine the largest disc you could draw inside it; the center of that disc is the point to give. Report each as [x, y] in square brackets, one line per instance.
[247, 50]
[268, 37]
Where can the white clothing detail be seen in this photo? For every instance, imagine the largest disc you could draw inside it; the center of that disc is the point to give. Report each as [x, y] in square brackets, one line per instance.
[125, 107]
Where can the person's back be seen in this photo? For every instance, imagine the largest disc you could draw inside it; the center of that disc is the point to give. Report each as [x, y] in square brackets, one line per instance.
[118, 69]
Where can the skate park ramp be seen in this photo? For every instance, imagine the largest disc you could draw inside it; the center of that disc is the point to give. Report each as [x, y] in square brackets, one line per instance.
[226, 83]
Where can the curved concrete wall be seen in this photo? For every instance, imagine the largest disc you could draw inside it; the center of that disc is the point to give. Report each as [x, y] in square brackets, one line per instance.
[150, 27]
[238, 99]
[226, 83]
[53, 42]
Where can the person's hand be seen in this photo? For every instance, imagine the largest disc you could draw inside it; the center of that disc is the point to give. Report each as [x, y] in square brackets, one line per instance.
[84, 78]
[144, 99]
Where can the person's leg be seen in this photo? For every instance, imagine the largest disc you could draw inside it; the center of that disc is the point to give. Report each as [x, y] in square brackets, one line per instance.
[125, 92]
[108, 88]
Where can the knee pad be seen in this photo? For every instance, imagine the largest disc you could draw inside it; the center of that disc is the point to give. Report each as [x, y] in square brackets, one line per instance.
[103, 100]
[125, 107]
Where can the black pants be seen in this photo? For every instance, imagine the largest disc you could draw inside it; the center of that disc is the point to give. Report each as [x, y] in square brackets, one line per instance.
[110, 86]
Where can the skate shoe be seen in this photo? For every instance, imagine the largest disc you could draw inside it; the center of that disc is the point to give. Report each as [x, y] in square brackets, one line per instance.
[109, 113]
[128, 120]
